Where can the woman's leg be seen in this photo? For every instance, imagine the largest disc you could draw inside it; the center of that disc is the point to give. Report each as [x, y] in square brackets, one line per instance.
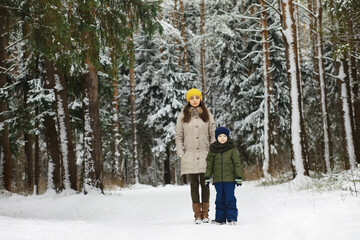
[205, 197]
[194, 187]
[205, 192]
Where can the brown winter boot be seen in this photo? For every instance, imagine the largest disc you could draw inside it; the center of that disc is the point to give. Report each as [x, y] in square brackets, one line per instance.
[197, 212]
[205, 212]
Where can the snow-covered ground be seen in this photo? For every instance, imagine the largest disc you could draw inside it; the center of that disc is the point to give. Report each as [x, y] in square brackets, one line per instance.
[143, 212]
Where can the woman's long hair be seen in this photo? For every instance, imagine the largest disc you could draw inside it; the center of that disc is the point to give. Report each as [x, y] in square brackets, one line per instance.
[204, 115]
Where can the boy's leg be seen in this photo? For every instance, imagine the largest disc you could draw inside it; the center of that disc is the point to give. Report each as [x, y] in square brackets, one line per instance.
[220, 214]
[230, 201]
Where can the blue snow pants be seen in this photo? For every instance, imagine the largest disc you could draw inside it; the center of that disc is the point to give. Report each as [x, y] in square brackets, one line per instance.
[225, 203]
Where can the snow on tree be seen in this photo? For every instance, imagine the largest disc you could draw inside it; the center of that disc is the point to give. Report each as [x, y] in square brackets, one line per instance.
[161, 91]
[267, 87]
[297, 128]
[346, 105]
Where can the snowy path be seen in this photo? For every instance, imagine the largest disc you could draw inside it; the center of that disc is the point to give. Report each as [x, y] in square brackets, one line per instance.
[146, 213]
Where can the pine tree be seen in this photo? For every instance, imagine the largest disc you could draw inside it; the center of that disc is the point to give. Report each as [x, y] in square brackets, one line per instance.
[297, 125]
[267, 87]
[163, 84]
[134, 141]
[320, 58]
[341, 40]
[346, 112]
[56, 40]
[202, 50]
[236, 77]
[5, 158]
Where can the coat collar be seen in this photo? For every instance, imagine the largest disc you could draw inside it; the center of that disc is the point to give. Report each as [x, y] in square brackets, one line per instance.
[196, 111]
[219, 148]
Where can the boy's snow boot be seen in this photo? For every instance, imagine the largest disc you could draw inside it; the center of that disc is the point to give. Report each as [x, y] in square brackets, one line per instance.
[205, 212]
[197, 213]
[217, 222]
[233, 222]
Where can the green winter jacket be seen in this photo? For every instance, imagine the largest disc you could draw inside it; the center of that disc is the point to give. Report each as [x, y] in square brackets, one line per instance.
[223, 162]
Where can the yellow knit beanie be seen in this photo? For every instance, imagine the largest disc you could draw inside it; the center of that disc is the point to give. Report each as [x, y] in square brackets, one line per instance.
[193, 92]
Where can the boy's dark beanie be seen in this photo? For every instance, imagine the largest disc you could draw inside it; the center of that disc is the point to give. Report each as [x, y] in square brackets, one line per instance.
[222, 130]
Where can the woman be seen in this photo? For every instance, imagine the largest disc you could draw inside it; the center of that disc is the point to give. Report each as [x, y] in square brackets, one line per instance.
[195, 131]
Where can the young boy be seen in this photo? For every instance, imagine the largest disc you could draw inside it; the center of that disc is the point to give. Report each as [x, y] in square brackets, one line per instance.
[223, 163]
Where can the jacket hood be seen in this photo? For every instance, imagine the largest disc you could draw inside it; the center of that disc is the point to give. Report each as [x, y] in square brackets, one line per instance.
[217, 147]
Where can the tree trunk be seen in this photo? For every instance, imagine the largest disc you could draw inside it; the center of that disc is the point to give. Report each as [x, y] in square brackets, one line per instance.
[267, 95]
[4, 134]
[167, 167]
[312, 162]
[298, 42]
[52, 146]
[29, 159]
[297, 126]
[346, 105]
[176, 25]
[312, 34]
[133, 109]
[37, 157]
[66, 140]
[356, 106]
[183, 34]
[321, 77]
[118, 170]
[354, 85]
[51, 135]
[337, 64]
[93, 162]
[304, 135]
[202, 50]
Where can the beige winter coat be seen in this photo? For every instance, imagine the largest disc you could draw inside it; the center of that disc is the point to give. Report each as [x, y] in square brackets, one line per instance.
[193, 140]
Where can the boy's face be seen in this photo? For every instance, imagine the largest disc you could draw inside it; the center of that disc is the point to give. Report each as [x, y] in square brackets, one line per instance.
[194, 101]
[222, 138]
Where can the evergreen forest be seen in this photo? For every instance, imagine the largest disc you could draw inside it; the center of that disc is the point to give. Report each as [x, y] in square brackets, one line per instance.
[90, 91]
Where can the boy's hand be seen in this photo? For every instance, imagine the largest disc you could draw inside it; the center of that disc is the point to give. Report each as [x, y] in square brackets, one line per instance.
[207, 182]
[238, 181]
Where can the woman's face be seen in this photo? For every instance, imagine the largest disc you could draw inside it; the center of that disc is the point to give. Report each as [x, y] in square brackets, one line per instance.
[194, 101]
